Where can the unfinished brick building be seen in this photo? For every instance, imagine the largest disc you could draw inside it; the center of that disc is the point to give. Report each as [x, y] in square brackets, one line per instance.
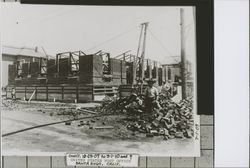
[77, 77]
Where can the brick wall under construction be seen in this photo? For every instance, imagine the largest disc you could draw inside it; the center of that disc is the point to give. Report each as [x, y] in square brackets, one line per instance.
[90, 71]
[12, 70]
[34, 69]
[63, 70]
[129, 72]
[25, 69]
[58, 72]
[51, 72]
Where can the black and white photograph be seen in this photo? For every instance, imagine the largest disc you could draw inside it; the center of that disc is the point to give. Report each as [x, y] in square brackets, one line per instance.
[94, 79]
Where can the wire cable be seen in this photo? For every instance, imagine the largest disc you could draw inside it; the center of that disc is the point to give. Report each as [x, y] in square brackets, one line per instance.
[162, 45]
[111, 39]
[46, 17]
[98, 45]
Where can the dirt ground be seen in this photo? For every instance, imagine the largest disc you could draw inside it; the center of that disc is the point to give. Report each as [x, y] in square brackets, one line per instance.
[63, 138]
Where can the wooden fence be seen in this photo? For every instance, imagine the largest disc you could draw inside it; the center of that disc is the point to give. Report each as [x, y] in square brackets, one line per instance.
[62, 93]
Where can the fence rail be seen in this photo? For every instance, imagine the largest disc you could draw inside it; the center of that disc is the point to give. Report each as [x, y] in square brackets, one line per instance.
[61, 93]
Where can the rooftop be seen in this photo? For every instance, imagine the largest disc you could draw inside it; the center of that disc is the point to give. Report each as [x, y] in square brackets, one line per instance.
[172, 60]
[22, 51]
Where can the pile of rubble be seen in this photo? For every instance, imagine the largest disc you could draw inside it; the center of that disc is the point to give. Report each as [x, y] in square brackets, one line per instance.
[172, 120]
[9, 104]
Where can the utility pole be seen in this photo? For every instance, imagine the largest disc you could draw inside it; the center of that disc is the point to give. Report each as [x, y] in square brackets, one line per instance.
[143, 34]
[136, 57]
[143, 49]
[183, 55]
[143, 53]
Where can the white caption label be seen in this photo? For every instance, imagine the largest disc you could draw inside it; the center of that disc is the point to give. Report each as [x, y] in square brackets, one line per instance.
[102, 160]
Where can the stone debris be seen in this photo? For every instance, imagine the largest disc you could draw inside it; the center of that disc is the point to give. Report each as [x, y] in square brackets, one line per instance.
[68, 123]
[173, 120]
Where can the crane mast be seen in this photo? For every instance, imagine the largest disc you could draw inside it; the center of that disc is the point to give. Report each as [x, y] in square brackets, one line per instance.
[140, 56]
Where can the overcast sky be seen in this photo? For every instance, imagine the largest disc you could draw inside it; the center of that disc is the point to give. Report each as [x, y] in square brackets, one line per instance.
[61, 28]
[69, 28]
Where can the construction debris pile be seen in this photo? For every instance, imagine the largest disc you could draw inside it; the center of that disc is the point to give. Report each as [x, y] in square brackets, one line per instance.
[172, 120]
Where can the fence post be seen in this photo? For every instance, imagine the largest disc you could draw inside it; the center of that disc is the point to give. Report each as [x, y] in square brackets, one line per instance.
[25, 92]
[62, 93]
[47, 93]
[36, 93]
[93, 93]
[77, 94]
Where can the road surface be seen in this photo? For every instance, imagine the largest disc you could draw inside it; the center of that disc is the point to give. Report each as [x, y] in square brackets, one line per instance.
[65, 138]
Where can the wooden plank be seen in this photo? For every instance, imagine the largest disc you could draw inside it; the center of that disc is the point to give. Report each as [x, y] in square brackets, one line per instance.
[20, 95]
[85, 87]
[41, 91]
[69, 91]
[58, 96]
[41, 87]
[85, 92]
[55, 91]
[69, 88]
[30, 91]
[20, 88]
[14, 162]
[32, 95]
[30, 88]
[102, 89]
[41, 96]
[104, 94]
[69, 97]
[20, 91]
[85, 97]
[55, 88]
[39, 162]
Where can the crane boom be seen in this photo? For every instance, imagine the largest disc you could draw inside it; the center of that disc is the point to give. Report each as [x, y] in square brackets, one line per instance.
[140, 55]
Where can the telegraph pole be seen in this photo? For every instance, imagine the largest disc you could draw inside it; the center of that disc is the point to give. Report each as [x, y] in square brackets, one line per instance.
[136, 57]
[183, 55]
[143, 54]
[143, 49]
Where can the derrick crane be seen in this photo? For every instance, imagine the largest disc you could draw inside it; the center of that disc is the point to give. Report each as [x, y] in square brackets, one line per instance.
[140, 56]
